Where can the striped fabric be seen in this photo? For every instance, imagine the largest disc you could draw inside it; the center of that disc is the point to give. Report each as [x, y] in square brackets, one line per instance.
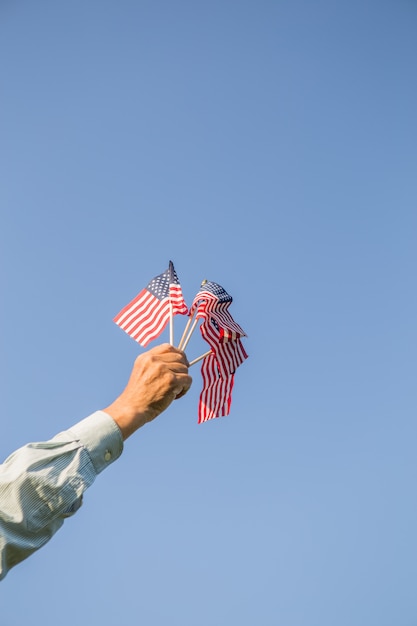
[223, 334]
[43, 483]
[216, 395]
[212, 299]
[229, 329]
[147, 315]
[229, 355]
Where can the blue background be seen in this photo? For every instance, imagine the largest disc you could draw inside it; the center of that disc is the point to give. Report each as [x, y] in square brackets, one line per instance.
[269, 146]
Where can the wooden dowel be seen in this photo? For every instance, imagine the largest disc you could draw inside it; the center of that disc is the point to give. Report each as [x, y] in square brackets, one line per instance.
[199, 358]
[187, 326]
[185, 342]
[171, 324]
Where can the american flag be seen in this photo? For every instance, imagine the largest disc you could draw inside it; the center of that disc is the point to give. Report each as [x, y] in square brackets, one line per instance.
[212, 299]
[230, 354]
[147, 315]
[212, 292]
[223, 334]
[216, 395]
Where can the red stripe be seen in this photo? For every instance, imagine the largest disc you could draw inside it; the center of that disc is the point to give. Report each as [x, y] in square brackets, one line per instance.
[216, 395]
[120, 316]
[229, 355]
[145, 317]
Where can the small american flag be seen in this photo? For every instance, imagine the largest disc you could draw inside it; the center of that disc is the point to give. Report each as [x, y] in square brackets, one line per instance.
[147, 315]
[223, 334]
[212, 299]
[216, 395]
[230, 354]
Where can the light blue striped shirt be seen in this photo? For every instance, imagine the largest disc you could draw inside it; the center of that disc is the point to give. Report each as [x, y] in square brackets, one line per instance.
[43, 483]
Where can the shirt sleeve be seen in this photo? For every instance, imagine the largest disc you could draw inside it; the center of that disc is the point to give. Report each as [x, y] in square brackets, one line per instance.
[43, 483]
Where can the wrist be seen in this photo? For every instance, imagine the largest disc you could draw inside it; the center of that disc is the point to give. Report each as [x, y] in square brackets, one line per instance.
[127, 420]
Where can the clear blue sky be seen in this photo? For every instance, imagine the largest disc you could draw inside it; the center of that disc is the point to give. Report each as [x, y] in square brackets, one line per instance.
[271, 147]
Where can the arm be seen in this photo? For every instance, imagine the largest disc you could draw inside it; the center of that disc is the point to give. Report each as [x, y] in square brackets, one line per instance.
[43, 483]
[158, 377]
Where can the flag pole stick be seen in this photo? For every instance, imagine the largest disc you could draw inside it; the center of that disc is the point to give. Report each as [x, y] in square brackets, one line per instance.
[185, 342]
[171, 324]
[199, 358]
[184, 334]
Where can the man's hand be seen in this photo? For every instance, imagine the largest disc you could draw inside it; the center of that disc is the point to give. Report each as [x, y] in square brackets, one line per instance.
[158, 377]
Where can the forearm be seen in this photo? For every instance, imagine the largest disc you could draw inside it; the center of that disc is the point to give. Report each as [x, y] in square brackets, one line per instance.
[43, 483]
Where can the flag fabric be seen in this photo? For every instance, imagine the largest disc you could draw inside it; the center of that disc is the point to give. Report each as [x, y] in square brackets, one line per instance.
[212, 299]
[147, 315]
[223, 334]
[212, 293]
[216, 395]
[229, 355]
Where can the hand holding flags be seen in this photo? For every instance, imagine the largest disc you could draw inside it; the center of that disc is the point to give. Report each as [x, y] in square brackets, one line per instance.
[147, 315]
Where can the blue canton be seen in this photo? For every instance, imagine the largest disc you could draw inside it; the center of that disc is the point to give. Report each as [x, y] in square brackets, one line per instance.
[217, 290]
[159, 286]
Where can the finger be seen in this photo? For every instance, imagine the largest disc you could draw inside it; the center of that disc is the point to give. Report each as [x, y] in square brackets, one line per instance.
[175, 358]
[178, 369]
[172, 360]
[166, 348]
[184, 383]
[181, 394]
[169, 353]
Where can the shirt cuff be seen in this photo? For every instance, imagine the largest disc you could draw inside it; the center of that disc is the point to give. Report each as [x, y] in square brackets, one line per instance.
[101, 437]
